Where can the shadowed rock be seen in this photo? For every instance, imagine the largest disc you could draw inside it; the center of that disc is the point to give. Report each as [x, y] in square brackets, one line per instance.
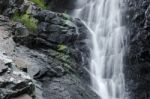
[137, 65]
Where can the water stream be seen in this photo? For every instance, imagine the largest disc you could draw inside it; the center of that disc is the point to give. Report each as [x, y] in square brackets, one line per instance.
[105, 20]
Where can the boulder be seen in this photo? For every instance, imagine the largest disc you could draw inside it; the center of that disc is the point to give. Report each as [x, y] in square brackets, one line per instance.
[13, 82]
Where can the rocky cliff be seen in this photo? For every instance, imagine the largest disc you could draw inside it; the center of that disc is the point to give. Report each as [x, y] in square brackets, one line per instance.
[45, 53]
[137, 68]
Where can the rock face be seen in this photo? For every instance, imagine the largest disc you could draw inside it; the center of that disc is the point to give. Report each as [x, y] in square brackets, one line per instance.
[55, 55]
[13, 82]
[58, 36]
[10, 7]
[61, 42]
[61, 5]
[137, 66]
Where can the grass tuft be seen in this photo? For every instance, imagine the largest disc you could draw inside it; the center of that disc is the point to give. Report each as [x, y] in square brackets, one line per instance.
[26, 20]
[62, 47]
[40, 3]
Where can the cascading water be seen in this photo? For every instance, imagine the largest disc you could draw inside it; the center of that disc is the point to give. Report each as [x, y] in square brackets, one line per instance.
[103, 17]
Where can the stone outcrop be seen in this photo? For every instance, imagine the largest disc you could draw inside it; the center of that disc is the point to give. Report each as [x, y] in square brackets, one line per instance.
[10, 7]
[55, 55]
[58, 36]
[60, 40]
[13, 82]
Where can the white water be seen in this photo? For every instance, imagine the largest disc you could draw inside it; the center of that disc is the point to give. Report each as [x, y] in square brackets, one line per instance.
[104, 19]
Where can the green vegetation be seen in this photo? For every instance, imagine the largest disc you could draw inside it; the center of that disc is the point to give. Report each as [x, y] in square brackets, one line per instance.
[40, 3]
[61, 47]
[26, 20]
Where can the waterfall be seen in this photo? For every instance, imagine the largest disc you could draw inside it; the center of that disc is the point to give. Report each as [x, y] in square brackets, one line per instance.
[104, 19]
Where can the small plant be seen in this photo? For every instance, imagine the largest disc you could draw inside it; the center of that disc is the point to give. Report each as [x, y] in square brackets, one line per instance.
[40, 3]
[26, 20]
[62, 47]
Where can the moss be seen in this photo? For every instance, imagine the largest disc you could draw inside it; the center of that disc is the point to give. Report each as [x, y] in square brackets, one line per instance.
[40, 3]
[62, 47]
[26, 20]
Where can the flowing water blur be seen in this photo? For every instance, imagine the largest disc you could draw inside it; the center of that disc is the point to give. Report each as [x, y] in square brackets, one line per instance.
[104, 18]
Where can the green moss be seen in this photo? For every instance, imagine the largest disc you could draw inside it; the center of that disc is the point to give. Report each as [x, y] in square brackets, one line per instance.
[26, 20]
[40, 3]
[62, 47]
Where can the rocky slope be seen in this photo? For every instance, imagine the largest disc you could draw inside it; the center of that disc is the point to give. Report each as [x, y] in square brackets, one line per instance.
[137, 66]
[13, 82]
[50, 47]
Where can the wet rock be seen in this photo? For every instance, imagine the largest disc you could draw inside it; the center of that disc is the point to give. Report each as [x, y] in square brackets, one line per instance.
[138, 52]
[67, 87]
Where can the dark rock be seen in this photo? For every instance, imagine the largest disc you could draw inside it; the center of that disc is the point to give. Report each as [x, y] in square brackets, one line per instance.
[3, 68]
[138, 52]
[45, 15]
[61, 6]
[20, 30]
[55, 55]
[66, 32]
[66, 6]
[61, 40]
[66, 87]
[10, 8]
